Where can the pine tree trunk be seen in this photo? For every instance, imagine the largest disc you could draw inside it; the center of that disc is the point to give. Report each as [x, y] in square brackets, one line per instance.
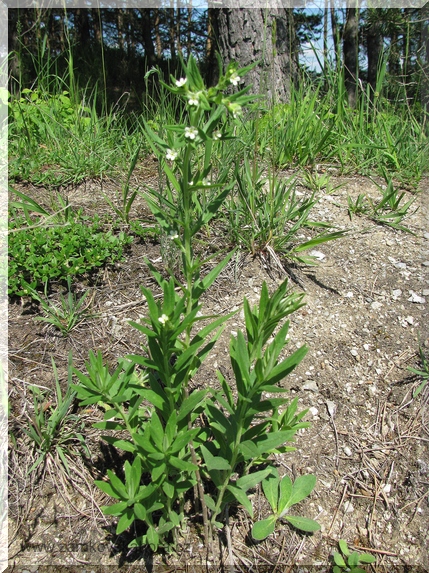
[251, 35]
[374, 47]
[350, 49]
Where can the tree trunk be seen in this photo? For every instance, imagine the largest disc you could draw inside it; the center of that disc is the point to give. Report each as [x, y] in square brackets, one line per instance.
[250, 35]
[374, 44]
[350, 49]
[335, 38]
[146, 27]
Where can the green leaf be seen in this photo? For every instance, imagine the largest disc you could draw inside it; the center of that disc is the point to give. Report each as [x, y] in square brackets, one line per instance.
[303, 523]
[182, 465]
[353, 559]
[302, 487]
[264, 528]
[241, 496]
[209, 502]
[152, 538]
[158, 471]
[339, 560]
[125, 521]
[191, 403]
[270, 486]
[285, 494]
[251, 480]
[344, 547]
[115, 509]
[366, 558]
[140, 511]
[107, 488]
[214, 462]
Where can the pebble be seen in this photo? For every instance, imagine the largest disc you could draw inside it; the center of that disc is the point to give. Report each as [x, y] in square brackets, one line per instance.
[426, 264]
[313, 411]
[347, 451]
[426, 235]
[425, 292]
[376, 305]
[311, 386]
[416, 298]
[317, 255]
[400, 265]
[348, 507]
[332, 407]
[396, 293]
[354, 352]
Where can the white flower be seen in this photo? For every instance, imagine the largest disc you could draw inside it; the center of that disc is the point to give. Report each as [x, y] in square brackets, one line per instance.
[235, 79]
[193, 100]
[173, 235]
[171, 154]
[217, 135]
[181, 82]
[190, 183]
[163, 319]
[191, 132]
[206, 182]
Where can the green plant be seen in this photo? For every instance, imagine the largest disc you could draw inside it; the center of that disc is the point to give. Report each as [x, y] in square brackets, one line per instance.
[388, 210]
[349, 562]
[62, 211]
[281, 494]
[423, 373]
[52, 428]
[66, 316]
[181, 437]
[268, 213]
[39, 252]
[127, 198]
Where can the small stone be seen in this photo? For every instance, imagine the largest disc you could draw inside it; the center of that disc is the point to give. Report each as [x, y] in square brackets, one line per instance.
[348, 507]
[426, 235]
[349, 295]
[311, 386]
[354, 352]
[426, 264]
[410, 319]
[396, 293]
[376, 305]
[416, 298]
[313, 411]
[425, 292]
[332, 407]
[366, 347]
[400, 265]
[372, 390]
[387, 488]
[317, 255]
[347, 451]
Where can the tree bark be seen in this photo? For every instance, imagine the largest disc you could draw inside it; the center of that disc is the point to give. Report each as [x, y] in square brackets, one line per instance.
[258, 35]
[350, 49]
[374, 44]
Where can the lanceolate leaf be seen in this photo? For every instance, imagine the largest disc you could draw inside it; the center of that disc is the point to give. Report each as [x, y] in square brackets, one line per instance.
[303, 523]
[264, 528]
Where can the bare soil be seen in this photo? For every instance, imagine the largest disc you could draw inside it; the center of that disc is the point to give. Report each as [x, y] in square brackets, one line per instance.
[366, 312]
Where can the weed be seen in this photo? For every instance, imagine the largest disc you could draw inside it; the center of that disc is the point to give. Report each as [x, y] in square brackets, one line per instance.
[49, 425]
[41, 252]
[65, 317]
[423, 373]
[388, 210]
[173, 452]
[349, 562]
[268, 213]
